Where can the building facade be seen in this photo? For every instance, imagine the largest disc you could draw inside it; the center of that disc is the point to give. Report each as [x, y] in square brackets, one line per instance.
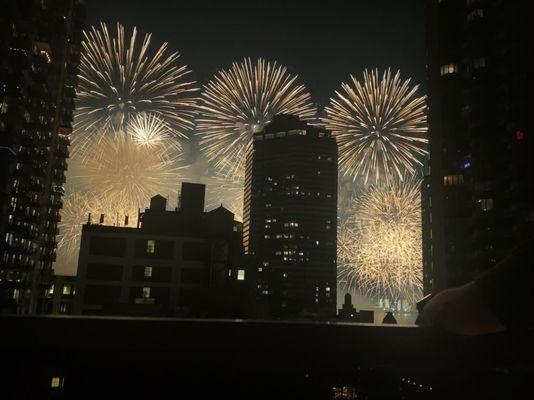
[39, 57]
[290, 217]
[184, 262]
[478, 202]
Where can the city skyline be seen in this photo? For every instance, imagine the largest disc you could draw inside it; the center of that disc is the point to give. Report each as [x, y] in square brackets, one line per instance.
[208, 141]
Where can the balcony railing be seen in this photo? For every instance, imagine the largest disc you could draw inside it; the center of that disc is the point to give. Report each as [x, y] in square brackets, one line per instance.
[256, 359]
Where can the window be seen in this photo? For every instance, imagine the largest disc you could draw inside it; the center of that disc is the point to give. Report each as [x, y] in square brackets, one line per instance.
[280, 134]
[486, 204]
[56, 382]
[67, 289]
[449, 180]
[150, 246]
[240, 274]
[148, 272]
[478, 63]
[146, 293]
[269, 136]
[448, 69]
[475, 14]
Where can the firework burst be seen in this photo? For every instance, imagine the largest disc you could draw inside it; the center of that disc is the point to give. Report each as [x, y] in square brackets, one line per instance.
[75, 212]
[128, 174]
[380, 126]
[151, 131]
[121, 76]
[379, 243]
[240, 101]
[225, 192]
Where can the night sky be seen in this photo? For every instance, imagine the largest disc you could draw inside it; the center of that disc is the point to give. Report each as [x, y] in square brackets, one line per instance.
[322, 41]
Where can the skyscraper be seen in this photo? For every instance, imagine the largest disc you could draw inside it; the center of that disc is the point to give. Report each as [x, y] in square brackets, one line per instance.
[290, 216]
[39, 53]
[478, 200]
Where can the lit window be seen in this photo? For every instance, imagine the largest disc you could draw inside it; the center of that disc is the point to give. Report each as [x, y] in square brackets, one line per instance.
[284, 274]
[150, 246]
[453, 179]
[56, 382]
[317, 242]
[63, 308]
[67, 289]
[148, 272]
[448, 69]
[240, 274]
[519, 135]
[280, 134]
[486, 204]
[301, 132]
[146, 293]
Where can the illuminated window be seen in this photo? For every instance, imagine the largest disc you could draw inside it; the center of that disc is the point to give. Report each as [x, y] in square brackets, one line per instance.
[67, 289]
[280, 134]
[240, 274]
[148, 272]
[284, 274]
[453, 179]
[150, 246]
[56, 382]
[448, 69]
[519, 135]
[486, 204]
[146, 293]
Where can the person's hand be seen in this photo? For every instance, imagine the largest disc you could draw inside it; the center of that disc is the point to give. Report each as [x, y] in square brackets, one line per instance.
[460, 310]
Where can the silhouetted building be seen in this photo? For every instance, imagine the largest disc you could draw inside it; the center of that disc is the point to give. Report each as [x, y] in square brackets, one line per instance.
[349, 312]
[478, 201]
[184, 262]
[39, 57]
[290, 217]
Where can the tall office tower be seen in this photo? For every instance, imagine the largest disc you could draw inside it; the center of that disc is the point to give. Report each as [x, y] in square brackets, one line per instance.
[39, 57]
[290, 217]
[478, 202]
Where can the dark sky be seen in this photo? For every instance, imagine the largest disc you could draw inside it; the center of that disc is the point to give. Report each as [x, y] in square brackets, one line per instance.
[323, 41]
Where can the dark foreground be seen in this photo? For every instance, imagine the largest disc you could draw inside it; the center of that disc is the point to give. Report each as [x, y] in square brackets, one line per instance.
[101, 358]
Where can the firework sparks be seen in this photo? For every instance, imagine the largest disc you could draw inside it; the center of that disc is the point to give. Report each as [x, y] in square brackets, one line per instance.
[121, 77]
[150, 130]
[379, 243]
[75, 212]
[240, 101]
[128, 174]
[225, 192]
[380, 126]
